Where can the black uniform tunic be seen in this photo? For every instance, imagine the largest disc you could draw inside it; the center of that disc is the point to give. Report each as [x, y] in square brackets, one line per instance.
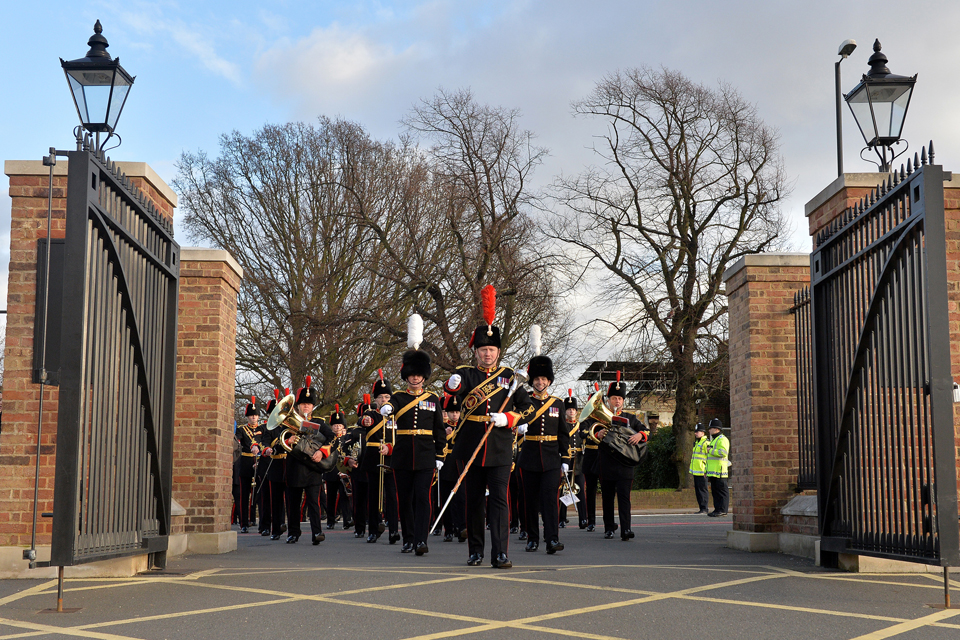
[616, 479]
[539, 462]
[247, 436]
[301, 480]
[419, 441]
[376, 430]
[482, 392]
[275, 476]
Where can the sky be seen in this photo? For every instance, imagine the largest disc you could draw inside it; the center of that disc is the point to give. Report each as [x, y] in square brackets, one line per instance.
[204, 68]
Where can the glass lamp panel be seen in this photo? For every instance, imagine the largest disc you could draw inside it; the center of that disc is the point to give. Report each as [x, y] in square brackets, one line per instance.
[899, 112]
[120, 91]
[79, 96]
[883, 97]
[860, 106]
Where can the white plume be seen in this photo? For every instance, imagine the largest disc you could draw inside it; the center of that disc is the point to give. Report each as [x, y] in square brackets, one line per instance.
[414, 331]
[535, 345]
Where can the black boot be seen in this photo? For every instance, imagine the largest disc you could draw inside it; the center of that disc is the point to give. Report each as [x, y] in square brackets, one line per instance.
[532, 545]
[553, 546]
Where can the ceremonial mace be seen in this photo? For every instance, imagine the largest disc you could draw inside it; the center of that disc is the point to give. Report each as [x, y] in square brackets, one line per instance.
[519, 377]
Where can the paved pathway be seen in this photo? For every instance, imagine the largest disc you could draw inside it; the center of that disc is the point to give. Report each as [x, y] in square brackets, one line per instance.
[676, 580]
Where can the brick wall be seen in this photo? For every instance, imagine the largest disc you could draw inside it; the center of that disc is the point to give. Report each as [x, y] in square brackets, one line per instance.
[763, 387]
[206, 363]
[205, 376]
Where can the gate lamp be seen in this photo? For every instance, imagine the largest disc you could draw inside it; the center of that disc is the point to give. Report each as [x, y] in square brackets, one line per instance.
[99, 86]
[879, 105]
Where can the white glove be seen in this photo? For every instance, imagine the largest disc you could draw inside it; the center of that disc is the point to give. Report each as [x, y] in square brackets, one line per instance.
[454, 381]
[498, 419]
[386, 410]
[565, 468]
[439, 465]
[522, 429]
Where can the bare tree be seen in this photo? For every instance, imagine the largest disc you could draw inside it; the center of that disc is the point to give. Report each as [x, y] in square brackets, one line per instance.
[275, 200]
[477, 208]
[690, 180]
[460, 220]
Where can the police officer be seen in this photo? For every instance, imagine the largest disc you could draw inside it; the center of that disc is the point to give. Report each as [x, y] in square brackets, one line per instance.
[698, 466]
[718, 463]
[417, 452]
[541, 465]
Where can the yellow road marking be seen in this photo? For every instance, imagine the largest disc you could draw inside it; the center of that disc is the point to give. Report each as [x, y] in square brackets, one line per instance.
[35, 590]
[909, 625]
[70, 631]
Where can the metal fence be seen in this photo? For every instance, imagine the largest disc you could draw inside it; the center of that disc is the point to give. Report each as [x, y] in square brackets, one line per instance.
[117, 368]
[882, 385]
[806, 429]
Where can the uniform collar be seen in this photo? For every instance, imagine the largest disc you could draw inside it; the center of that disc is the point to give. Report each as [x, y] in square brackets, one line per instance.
[487, 369]
[541, 396]
[414, 393]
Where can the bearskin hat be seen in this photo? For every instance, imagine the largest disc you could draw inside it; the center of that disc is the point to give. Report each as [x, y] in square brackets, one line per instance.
[307, 394]
[415, 363]
[570, 402]
[451, 403]
[617, 388]
[253, 409]
[540, 366]
[381, 386]
[337, 416]
[365, 405]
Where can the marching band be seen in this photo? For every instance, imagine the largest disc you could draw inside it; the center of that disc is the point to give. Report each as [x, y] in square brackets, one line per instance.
[415, 461]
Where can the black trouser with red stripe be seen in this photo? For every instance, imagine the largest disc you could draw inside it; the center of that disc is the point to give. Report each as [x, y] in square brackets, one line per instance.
[337, 499]
[497, 480]
[294, 515]
[413, 493]
[541, 496]
[390, 512]
[616, 489]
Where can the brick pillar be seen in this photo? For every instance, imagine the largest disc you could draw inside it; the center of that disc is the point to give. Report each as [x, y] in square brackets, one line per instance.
[951, 213]
[763, 391]
[203, 428]
[29, 182]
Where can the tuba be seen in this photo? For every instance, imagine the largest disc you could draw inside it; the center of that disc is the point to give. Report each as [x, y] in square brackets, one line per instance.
[297, 437]
[615, 440]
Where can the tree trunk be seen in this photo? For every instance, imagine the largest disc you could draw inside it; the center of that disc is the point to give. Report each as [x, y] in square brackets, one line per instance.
[684, 418]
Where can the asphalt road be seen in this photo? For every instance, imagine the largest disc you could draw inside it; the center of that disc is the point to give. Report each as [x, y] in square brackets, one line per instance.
[675, 580]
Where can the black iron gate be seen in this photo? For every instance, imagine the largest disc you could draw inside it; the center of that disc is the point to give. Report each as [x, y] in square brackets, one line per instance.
[117, 370]
[886, 466]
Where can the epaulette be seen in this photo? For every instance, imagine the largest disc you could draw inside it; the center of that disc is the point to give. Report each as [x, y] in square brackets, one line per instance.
[465, 366]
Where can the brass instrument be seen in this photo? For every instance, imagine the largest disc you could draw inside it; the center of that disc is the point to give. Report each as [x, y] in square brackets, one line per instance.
[616, 436]
[285, 417]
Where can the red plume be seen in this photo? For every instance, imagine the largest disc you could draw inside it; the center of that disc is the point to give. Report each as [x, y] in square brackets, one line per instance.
[488, 300]
[366, 398]
[253, 399]
[596, 385]
[286, 391]
[618, 377]
[276, 394]
[570, 392]
[336, 408]
[309, 380]
[380, 373]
